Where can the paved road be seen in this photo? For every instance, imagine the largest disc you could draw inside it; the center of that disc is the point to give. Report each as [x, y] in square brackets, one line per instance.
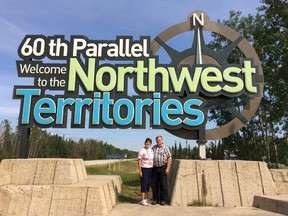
[102, 162]
[157, 210]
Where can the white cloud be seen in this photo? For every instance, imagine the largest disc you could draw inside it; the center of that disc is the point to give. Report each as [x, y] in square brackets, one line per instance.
[9, 111]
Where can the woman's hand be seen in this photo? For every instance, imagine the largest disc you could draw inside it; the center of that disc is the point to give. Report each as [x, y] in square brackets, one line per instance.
[140, 173]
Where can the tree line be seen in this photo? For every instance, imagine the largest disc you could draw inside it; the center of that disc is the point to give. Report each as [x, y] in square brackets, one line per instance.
[48, 145]
[214, 151]
[265, 137]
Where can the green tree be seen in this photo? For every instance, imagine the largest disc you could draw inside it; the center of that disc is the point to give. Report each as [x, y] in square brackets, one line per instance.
[175, 153]
[180, 153]
[264, 136]
[194, 153]
[6, 145]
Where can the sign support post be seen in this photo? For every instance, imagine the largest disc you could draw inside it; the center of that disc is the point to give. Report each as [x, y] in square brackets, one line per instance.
[24, 143]
[202, 149]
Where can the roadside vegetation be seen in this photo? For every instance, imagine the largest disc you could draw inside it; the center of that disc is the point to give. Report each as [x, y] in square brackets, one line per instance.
[47, 145]
[128, 171]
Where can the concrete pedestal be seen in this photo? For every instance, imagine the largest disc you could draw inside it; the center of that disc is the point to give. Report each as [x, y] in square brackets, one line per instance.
[54, 187]
[219, 183]
[202, 149]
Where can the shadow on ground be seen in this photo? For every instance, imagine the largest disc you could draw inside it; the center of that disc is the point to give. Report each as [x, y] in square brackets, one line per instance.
[126, 199]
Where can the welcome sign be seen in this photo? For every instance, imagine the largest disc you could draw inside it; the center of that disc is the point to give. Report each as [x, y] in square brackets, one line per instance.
[93, 80]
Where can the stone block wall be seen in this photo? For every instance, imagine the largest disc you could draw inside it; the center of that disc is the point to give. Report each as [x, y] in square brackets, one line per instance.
[55, 187]
[219, 183]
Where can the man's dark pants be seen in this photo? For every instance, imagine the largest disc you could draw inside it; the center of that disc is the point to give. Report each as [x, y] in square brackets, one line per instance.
[159, 184]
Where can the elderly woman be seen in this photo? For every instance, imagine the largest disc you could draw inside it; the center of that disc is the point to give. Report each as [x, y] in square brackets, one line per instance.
[145, 165]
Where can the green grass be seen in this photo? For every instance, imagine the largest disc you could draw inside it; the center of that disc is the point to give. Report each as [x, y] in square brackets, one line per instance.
[128, 171]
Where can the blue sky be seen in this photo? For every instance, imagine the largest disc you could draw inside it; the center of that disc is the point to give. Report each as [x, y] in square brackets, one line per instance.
[99, 20]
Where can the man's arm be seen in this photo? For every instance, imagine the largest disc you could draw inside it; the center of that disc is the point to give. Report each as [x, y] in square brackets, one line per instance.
[169, 159]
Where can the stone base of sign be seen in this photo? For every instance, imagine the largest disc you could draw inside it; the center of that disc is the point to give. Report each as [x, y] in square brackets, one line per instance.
[219, 183]
[278, 204]
[43, 171]
[54, 187]
[280, 177]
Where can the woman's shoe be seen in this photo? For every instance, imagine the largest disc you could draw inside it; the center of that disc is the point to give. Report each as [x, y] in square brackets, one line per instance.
[144, 202]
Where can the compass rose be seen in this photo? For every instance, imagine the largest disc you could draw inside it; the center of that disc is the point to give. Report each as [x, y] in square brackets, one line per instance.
[199, 53]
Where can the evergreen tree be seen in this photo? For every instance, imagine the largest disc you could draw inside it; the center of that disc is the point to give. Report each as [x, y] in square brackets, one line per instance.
[175, 153]
[180, 156]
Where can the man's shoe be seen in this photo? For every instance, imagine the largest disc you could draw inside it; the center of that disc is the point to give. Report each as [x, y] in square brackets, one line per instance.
[153, 202]
[162, 203]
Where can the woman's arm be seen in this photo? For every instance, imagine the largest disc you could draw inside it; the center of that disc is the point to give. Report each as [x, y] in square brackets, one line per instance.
[139, 167]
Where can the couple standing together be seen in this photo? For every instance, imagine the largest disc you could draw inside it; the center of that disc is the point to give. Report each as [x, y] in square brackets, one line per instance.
[154, 165]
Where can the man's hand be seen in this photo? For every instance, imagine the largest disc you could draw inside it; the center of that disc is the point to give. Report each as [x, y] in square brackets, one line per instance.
[167, 171]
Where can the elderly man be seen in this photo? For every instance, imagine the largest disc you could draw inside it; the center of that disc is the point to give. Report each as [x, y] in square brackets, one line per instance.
[161, 168]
